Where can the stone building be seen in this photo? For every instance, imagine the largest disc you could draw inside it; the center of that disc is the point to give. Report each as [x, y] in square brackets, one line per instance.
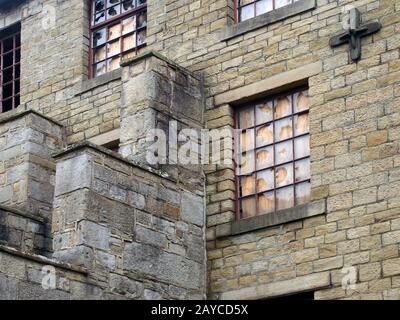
[309, 94]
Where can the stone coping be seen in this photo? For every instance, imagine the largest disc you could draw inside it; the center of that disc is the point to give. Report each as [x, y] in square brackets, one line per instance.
[158, 55]
[273, 219]
[112, 154]
[267, 18]
[16, 114]
[43, 260]
[21, 213]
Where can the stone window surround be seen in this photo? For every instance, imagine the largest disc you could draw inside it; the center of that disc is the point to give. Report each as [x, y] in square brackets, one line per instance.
[272, 85]
[262, 20]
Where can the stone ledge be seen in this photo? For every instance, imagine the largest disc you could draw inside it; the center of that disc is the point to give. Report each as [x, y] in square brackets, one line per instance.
[90, 84]
[311, 282]
[271, 219]
[21, 213]
[267, 18]
[272, 85]
[153, 53]
[44, 260]
[20, 112]
[112, 154]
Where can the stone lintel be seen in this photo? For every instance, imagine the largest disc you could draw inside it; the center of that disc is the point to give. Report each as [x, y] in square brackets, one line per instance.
[106, 137]
[311, 282]
[17, 113]
[43, 260]
[272, 85]
[267, 18]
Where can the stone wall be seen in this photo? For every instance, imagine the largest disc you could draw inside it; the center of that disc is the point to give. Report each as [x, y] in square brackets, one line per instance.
[129, 226]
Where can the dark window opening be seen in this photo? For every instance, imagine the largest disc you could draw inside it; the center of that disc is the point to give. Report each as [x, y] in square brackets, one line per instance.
[10, 59]
[113, 145]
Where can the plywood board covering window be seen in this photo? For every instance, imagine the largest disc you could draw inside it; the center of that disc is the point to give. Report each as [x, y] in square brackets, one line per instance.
[118, 31]
[273, 154]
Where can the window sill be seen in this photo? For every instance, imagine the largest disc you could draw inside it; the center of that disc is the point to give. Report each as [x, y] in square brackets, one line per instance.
[267, 18]
[90, 84]
[272, 219]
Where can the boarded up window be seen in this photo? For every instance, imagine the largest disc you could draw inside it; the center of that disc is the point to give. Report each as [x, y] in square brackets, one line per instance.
[273, 154]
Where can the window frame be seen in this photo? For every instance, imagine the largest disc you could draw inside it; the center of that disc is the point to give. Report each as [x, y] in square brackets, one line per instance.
[12, 31]
[237, 8]
[107, 24]
[238, 197]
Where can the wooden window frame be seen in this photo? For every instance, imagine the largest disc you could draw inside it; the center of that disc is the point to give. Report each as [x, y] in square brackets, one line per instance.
[13, 32]
[109, 23]
[237, 8]
[274, 165]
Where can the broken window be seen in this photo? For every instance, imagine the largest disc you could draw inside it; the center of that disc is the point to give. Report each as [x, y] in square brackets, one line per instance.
[247, 9]
[10, 57]
[273, 154]
[118, 31]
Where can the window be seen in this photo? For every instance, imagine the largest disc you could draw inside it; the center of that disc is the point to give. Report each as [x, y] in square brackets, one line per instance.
[10, 49]
[118, 31]
[247, 9]
[273, 154]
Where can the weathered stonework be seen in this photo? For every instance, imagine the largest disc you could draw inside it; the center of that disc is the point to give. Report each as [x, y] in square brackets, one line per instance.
[354, 127]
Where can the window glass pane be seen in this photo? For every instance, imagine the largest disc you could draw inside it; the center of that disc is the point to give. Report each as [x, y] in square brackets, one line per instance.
[128, 25]
[248, 207]
[244, 2]
[283, 129]
[98, 6]
[142, 19]
[301, 124]
[264, 158]
[284, 152]
[129, 42]
[284, 175]
[100, 54]
[284, 198]
[141, 37]
[302, 170]
[246, 163]
[264, 112]
[8, 44]
[264, 135]
[301, 101]
[113, 11]
[128, 5]
[141, 2]
[129, 55]
[8, 75]
[99, 37]
[303, 191]
[283, 107]
[246, 118]
[265, 180]
[248, 185]
[113, 48]
[113, 63]
[247, 140]
[247, 12]
[110, 3]
[302, 147]
[17, 68]
[114, 32]
[7, 105]
[263, 6]
[100, 68]
[266, 202]
[8, 60]
[282, 3]
[100, 17]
